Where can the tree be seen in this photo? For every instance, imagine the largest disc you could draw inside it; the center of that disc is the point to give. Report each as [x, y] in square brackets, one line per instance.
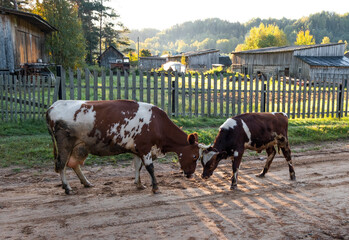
[67, 45]
[145, 53]
[184, 60]
[304, 38]
[21, 4]
[325, 40]
[264, 36]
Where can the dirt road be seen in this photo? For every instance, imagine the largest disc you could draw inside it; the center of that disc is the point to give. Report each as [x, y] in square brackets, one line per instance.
[316, 206]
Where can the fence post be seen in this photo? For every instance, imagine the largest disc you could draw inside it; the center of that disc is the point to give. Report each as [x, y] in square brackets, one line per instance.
[340, 100]
[173, 95]
[59, 69]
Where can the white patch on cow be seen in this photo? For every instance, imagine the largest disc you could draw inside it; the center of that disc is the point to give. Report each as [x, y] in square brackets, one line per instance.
[73, 113]
[280, 113]
[148, 159]
[132, 126]
[236, 153]
[123, 113]
[156, 151]
[207, 157]
[229, 123]
[247, 131]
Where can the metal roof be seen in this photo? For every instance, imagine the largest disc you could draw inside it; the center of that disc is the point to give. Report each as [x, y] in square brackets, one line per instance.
[326, 61]
[194, 53]
[30, 17]
[284, 48]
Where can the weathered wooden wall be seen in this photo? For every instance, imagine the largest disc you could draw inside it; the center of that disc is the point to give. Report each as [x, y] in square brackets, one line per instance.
[148, 63]
[110, 56]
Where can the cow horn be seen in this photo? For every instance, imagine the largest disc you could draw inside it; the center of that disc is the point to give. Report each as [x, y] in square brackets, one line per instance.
[203, 146]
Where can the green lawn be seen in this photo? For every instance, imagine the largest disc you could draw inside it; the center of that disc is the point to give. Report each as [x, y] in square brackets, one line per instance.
[28, 144]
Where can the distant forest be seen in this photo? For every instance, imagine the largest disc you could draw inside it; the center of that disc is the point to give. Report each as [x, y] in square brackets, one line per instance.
[225, 36]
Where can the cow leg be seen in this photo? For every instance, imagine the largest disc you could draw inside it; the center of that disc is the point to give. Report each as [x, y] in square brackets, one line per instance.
[65, 185]
[148, 162]
[271, 154]
[138, 166]
[236, 165]
[82, 177]
[286, 151]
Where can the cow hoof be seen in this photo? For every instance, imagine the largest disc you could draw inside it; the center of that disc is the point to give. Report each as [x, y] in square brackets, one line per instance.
[155, 191]
[293, 177]
[141, 187]
[68, 191]
[261, 175]
[233, 187]
[88, 185]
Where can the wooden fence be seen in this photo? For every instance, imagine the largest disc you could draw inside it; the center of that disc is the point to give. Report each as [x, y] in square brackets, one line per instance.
[189, 95]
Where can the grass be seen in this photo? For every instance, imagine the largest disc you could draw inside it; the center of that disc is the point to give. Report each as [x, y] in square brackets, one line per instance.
[28, 144]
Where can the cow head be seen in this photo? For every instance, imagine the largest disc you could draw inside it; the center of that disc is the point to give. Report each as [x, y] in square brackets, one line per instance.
[210, 158]
[189, 155]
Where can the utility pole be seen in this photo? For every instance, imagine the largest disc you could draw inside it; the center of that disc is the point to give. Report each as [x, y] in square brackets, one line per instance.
[100, 29]
[138, 50]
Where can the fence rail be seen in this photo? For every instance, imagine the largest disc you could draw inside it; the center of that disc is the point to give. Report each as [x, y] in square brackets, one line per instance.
[28, 97]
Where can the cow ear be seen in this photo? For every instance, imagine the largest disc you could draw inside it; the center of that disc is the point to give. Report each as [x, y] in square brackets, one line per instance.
[222, 155]
[192, 138]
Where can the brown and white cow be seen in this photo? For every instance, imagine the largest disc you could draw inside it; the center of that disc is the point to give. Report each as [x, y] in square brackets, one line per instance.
[254, 131]
[106, 128]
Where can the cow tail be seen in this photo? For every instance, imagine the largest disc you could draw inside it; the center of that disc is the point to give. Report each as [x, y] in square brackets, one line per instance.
[55, 146]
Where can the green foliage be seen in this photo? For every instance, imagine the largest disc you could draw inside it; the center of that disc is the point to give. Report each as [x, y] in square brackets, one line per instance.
[22, 5]
[67, 45]
[145, 53]
[264, 36]
[304, 38]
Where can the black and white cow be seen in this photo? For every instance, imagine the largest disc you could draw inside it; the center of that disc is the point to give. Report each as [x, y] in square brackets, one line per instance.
[254, 131]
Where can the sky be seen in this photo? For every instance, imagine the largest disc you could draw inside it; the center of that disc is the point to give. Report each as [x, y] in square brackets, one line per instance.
[163, 14]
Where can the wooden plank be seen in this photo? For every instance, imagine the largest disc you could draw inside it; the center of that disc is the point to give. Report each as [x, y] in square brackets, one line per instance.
[264, 96]
[267, 95]
[87, 84]
[215, 95]
[250, 97]
[169, 92]
[314, 97]
[255, 93]
[320, 81]
[71, 84]
[190, 95]
[15, 95]
[126, 85]
[78, 76]
[221, 95]
[306, 93]
[324, 91]
[118, 85]
[284, 94]
[111, 83]
[95, 85]
[233, 93]
[25, 89]
[278, 93]
[196, 106]
[307, 101]
[347, 95]
[176, 93]
[273, 95]
[10, 82]
[2, 97]
[156, 89]
[341, 99]
[33, 97]
[239, 96]
[162, 90]
[183, 94]
[103, 85]
[134, 87]
[209, 95]
[20, 89]
[148, 87]
[289, 93]
[202, 95]
[141, 86]
[294, 97]
[245, 94]
[333, 110]
[39, 91]
[227, 96]
[43, 84]
[299, 97]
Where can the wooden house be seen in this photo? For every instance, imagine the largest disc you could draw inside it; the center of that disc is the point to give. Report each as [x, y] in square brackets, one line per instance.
[22, 38]
[149, 63]
[198, 60]
[112, 58]
[305, 61]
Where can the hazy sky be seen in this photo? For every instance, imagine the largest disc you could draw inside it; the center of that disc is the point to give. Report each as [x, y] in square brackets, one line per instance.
[162, 14]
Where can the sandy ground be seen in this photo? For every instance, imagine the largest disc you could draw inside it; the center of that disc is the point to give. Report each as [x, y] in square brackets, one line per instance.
[316, 206]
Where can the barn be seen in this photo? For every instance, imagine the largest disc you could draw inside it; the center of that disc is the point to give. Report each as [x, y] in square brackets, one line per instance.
[149, 63]
[22, 39]
[198, 60]
[113, 58]
[305, 61]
